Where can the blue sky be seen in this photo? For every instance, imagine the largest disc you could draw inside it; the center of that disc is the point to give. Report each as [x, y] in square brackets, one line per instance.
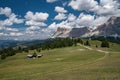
[39, 19]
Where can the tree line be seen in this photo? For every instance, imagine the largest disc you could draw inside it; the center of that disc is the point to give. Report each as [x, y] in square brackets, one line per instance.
[50, 44]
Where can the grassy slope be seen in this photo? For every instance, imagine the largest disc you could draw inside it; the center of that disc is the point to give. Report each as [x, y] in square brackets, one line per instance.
[71, 63]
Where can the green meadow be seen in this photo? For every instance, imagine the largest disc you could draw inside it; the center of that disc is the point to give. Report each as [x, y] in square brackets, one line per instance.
[69, 63]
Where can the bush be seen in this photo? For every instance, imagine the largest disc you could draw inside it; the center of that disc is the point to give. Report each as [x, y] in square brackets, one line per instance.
[34, 54]
[38, 50]
[87, 43]
[3, 56]
[105, 44]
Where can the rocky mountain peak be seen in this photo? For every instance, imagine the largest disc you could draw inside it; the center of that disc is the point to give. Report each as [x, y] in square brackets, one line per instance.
[110, 28]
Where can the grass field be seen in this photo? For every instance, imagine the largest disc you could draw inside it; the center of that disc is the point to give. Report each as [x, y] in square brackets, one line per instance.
[70, 63]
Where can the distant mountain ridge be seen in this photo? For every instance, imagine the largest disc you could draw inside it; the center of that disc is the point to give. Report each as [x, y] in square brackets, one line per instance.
[74, 32]
[110, 28]
[61, 32]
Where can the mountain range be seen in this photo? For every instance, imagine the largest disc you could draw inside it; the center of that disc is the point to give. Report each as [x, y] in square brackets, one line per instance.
[108, 29]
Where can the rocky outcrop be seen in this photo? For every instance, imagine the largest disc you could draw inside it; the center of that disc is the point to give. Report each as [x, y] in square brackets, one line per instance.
[80, 32]
[61, 32]
[110, 28]
[74, 32]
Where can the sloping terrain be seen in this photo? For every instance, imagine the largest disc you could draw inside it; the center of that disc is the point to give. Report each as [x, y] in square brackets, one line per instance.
[70, 63]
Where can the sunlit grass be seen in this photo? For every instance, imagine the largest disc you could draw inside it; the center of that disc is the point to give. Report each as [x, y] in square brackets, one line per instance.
[70, 63]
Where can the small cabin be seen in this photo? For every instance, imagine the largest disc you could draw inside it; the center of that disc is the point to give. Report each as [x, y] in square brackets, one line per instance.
[39, 55]
[30, 56]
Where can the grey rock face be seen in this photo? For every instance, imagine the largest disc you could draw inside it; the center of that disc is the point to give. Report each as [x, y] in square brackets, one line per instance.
[79, 32]
[110, 28]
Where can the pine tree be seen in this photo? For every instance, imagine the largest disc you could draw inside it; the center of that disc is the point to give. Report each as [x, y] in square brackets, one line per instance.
[105, 43]
[34, 54]
[87, 43]
[3, 56]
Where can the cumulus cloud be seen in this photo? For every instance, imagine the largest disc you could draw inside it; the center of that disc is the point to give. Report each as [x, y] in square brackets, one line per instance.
[11, 34]
[104, 8]
[82, 4]
[34, 21]
[99, 20]
[11, 17]
[61, 13]
[6, 24]
[92, 21]
[71, 17]
[15, 34]
[85, 20]
[51, 1]
[60, 9]
[11, 29]
[63, 24]
[102, 11]
[33, 28]
[5, 11]
[38, 16]
[52, 26]
[60, 16]
[107, 8]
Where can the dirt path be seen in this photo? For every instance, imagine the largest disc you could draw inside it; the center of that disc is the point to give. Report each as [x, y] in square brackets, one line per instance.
[89, 48]
[102, 51]
[86, 47]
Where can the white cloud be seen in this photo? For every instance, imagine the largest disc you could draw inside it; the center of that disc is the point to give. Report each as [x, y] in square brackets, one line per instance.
[63, 24]
[35, 23]
[52, 26]
[82, 4]
[85, 20]
[107, 8]
[11, 17]
[72, 22]
[100, 20]
[3, 34]
[60, 16]
[11, 29]
[51, 1]
[61, 13]
[60, 9]
[71, 17]
[38, 16]
[6, 22]
[36, 19]
[7, 11]
[5, 25]
[64, 3]
[33, 28]
[15, 34]
[11, 34]
[104, 8]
